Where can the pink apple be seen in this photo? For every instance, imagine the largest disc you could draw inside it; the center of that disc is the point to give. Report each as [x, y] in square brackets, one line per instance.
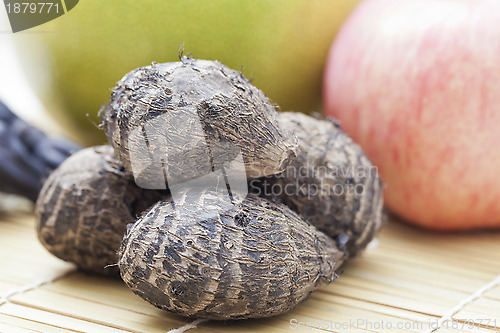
[417, 84]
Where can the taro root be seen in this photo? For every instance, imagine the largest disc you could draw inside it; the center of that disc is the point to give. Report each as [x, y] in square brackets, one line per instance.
[209, 249]
[193, 116]
[331, 182]
[204, 257]
[84, 207]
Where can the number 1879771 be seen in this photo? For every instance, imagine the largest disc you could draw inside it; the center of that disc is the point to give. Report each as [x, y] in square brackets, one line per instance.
[32, 7]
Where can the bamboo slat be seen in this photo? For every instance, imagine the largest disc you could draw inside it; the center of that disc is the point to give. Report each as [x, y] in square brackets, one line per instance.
[406, 283]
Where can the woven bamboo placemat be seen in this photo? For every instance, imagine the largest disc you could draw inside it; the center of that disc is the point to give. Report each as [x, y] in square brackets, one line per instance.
[412, 281]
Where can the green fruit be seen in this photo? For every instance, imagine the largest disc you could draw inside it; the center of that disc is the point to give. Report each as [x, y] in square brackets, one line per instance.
[281, 45]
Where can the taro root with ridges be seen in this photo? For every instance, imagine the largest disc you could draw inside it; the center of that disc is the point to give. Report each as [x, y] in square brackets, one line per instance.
[249, 260]
[84, 207]
[194, 116]
[331, 182]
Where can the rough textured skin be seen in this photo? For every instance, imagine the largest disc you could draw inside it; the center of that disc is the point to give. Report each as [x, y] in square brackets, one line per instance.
[331, 183]
[215, 252]
[254, 259]
[84, 207]
[234, 116]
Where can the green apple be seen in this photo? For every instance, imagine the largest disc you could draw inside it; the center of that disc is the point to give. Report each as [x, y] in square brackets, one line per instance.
[280, 45]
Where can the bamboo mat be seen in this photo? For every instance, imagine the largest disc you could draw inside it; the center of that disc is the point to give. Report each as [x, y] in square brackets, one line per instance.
[410, 282]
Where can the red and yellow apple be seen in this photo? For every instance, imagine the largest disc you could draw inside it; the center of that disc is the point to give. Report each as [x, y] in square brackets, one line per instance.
[417, 84]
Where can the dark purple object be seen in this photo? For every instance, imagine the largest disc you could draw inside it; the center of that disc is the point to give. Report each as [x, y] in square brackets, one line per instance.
[27, 155]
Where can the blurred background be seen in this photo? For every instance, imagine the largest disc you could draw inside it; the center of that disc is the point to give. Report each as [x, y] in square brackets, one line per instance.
[73, 61]
[15, 90]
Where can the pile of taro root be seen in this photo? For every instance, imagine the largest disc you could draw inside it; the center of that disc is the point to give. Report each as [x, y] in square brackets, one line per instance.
[208, 202]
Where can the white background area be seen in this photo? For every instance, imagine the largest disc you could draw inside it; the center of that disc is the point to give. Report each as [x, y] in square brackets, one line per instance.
[15, 90]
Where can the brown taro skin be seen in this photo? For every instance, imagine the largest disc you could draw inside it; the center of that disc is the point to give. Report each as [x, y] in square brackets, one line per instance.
[252, 260]
[331, 183]
[206, 112]
[84, 207]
